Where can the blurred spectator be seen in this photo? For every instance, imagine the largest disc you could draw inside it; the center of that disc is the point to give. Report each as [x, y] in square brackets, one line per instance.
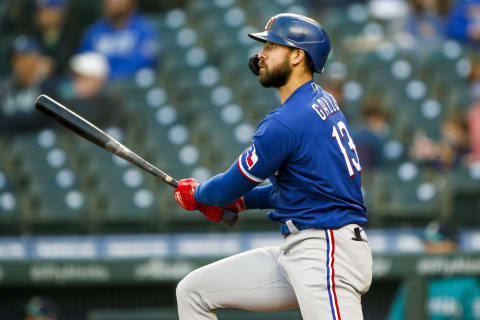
[425, 24]
[333, 83]
[464, 21]
[440, 238]
[90, 72]
[371, 135]
[474, 77]
[125, 37]
[474, 114]
[447, 298]
[41, 308]
[85, 93]
[16, 15]
[30, 70]
[452, 149]
[55, 40]
[30, 67]
[473, 122]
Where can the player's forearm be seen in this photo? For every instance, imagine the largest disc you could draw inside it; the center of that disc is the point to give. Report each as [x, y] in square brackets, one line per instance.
[224, 188]
[259, 198]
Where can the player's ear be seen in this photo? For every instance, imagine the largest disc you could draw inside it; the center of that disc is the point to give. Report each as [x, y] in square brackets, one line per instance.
[297, 56]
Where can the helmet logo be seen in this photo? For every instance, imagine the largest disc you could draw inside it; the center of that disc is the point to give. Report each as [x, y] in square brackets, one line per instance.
[270, 22]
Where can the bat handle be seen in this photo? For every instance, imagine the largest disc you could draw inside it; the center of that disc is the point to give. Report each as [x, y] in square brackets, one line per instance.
[171, 181]
[228, 217]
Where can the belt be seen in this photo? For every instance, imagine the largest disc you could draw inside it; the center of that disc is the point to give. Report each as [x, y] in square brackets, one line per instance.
[285, 230]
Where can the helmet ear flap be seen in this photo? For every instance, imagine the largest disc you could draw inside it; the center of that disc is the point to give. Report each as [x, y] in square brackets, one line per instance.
[253, 64]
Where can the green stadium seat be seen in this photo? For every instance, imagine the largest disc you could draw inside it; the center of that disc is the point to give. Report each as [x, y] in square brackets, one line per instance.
[57, 212]
[33, 161]
[408, 195]
[126, 210]
[206, 15]
[172, 314]
[10, 205]
[132, 315]
[465, 184]
[166, 33]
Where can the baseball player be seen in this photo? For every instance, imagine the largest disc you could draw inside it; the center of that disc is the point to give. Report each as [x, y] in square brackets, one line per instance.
[304, 148]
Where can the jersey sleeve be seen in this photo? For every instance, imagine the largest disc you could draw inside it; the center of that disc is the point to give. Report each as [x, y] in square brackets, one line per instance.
[259, 198]
[271, 146]
[224, 188]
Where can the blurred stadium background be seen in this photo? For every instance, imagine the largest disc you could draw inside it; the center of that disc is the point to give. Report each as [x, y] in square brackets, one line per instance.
[105, 241]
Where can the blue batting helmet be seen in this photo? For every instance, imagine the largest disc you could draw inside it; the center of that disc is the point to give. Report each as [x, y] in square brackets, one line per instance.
[297, 31]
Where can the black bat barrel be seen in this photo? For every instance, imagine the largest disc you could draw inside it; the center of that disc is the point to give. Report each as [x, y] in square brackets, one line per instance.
[71, 120]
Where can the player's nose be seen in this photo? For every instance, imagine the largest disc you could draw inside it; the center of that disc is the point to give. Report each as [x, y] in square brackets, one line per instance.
[261, 54]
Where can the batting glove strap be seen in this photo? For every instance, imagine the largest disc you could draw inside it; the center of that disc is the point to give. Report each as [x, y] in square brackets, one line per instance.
[184, 194]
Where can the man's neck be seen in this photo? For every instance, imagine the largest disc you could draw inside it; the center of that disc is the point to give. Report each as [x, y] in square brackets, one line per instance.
[120, 21]
[293, 84]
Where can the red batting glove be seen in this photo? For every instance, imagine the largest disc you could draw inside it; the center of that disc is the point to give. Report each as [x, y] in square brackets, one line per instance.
[184, 194]
[211, 212]
[237, 206]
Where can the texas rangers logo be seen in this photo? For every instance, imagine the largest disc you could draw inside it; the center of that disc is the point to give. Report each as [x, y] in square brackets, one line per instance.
[270, 22]
[252, 157]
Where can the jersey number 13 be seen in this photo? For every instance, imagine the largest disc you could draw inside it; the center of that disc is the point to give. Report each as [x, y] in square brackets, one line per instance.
[339, 133]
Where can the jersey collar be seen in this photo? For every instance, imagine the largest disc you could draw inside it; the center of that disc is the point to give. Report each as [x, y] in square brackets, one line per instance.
[304, 88]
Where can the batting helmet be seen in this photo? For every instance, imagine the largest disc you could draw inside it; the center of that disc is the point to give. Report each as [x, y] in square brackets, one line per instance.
[297, 31]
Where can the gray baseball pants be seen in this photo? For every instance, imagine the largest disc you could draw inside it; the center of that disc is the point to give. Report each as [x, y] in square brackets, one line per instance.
[322, 272]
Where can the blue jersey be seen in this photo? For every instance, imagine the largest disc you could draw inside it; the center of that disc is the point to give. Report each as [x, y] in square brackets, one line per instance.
[305, 149]
[127, 49]
[461, 19]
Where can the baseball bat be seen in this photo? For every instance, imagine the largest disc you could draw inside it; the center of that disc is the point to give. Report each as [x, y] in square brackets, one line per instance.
[87, 130]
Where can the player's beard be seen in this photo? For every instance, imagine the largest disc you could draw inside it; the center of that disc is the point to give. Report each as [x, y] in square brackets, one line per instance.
[277, 77]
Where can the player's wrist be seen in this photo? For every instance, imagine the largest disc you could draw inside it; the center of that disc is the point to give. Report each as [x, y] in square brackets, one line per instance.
[212, 213]
[237, 206]
[185, 194]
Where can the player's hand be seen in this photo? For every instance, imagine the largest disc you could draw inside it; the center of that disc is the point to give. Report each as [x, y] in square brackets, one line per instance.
[184, 194]
[211, 212]
[237, 206]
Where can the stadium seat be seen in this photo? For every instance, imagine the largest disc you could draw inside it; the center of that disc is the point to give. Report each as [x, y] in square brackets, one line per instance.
[132, 315]
[57, 212]
[10, 205]
[465, 184]
[172, 314]
[176, 118]
[125, 210]
[408, 195]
